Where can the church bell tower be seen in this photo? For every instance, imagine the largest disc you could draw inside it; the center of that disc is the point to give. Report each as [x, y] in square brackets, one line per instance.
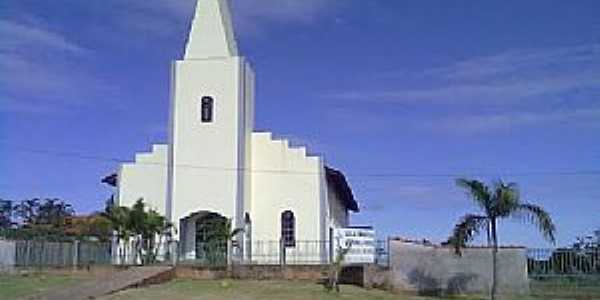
[211, 121]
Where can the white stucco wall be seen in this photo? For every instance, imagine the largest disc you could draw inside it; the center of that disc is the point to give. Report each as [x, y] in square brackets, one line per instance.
[208, 159]
[338, 214]
[145, 178]
[285, 178]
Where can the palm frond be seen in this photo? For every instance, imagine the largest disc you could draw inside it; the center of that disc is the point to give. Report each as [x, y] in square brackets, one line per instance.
[538, 216]
[478, 191]
[236, 231]
[506, 198]
[465, 231]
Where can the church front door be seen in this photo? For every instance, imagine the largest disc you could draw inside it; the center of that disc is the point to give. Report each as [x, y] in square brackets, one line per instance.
[212, 235]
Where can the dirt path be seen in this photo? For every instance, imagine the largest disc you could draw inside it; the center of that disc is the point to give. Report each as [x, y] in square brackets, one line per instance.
[118, 281]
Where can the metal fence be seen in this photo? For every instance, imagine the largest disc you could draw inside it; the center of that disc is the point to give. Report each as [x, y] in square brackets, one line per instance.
[382, 253]
[564, 273]
[554, 262]
[61, 254]
[302, 252]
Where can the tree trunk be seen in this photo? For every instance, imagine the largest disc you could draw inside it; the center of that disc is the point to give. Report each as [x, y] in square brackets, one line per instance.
[494, 259]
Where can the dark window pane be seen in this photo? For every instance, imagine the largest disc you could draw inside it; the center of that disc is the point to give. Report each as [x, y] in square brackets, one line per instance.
[206, 109]
[288, 224]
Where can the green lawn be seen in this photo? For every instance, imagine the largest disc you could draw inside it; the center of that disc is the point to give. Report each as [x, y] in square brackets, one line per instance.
[16, 286]
[289, 290]
[252, 290]
[13, 287]
[566, 288]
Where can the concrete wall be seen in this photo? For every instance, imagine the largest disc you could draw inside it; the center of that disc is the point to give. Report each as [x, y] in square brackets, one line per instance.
[255, 272]
[7, 256]
[437, 270]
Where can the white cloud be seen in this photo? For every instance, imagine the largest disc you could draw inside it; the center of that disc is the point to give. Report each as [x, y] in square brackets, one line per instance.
[505, 77]
[250, 16]
[44, 71]
[281, 10]
[514, 88]
[484, 92]
[483, 123]
[513, 62]
[21, 37]
[37, 81]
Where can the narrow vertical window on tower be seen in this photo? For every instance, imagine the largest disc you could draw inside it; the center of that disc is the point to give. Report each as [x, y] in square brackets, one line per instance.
[206, 109]
[288, 229]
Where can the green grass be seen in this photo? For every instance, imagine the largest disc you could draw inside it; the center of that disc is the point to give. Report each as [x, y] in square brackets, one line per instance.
[295, 290]
[253, 290]
[16, 286]
[566, 288]
[13, 287]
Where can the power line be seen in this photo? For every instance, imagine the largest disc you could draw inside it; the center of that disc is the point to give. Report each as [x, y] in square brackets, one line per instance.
[375, 175]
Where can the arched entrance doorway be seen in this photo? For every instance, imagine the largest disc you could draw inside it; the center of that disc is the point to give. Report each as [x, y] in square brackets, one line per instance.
[212, 234]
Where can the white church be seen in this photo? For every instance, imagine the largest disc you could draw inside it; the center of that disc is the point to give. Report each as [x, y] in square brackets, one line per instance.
[215, 164]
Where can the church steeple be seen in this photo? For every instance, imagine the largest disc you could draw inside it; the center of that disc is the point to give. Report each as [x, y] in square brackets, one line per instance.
[212, 32]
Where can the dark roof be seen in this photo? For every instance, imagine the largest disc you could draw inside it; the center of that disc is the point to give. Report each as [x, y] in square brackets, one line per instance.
[337, 180]
[359, 227]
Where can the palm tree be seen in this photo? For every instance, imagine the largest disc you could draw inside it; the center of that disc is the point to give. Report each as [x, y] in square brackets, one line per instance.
[219, 240]
[155, 226]
[140, 225]
[119, 216]
[500, 201]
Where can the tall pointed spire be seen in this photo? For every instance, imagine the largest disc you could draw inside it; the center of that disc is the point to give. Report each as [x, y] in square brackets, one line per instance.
[212, 31]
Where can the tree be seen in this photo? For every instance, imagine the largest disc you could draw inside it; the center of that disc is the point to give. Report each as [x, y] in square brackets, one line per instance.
[142, 226]
[27, 211]
[333, 280]
[500, 201]
[119, 218]
[6, 214]
[49, 213]
[92, 227]
[53, 213]
[219, 236]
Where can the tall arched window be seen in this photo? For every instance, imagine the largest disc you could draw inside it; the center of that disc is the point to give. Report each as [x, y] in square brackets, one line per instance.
[288, 229]
[206, 109]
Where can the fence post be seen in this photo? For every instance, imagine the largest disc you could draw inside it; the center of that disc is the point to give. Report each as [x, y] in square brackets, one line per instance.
[75, 254]
[115, 249]
[281, 252]
[229, 254]
[173, 252]
[27, 254]
[41, 253]
[331, 247]
[389, 252]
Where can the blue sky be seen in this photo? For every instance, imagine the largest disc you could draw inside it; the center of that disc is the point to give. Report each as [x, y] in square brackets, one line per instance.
[496, 89]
